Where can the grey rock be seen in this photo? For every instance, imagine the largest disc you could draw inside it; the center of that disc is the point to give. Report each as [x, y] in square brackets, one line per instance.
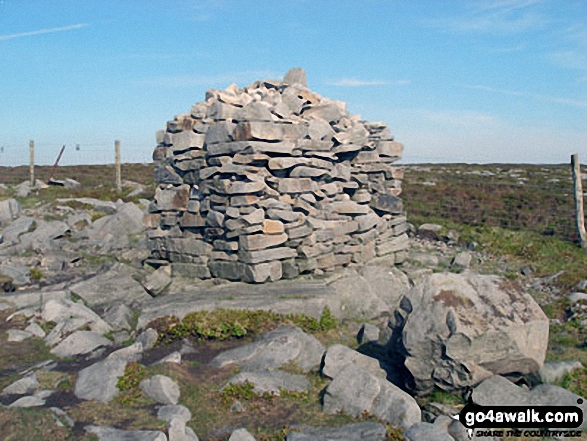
[44, 236]
[427, 432]
[174, 357]
[9, 209]
[267, 255]
[499, 391]
[349, 432]
[462, 328]
[281, 346]
[127, 220]
[254, 242]
[148, 338]
[241, 435]
[355, 391]
[133, 352]
[26, 385]
[161, 388]
[79, 343]
[462, 260]
[271, 382]
[17, 335]
[111, 434]
[551, 395]
[387, 203]
[20, 226]
[60, 310]
[19, 273]
[60, 415]
[35, 330]
[430, 231]
[174, 412]
[577, 297]
[338, 357]
[552, 372]
[296, 75]
[98, 381]
[262, 272]
[118, 316]
[158, 281]
[33, 298]
[115, 285]
[30, 401]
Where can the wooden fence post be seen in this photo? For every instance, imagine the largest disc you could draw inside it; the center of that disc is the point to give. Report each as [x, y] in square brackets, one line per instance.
[118, 170]
[579, 213]
[32, 163]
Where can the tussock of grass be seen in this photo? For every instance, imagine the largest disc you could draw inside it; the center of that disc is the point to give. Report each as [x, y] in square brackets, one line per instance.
[546, 255]
[222, 324]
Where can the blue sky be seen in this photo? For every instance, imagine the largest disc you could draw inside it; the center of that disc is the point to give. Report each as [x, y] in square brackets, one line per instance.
[456, 81]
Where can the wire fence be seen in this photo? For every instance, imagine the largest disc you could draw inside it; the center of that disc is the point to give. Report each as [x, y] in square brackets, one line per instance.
[536, 198]
[93, 165]
[74, 154]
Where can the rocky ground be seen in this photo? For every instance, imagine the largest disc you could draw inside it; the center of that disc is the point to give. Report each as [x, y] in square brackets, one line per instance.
[97, 345]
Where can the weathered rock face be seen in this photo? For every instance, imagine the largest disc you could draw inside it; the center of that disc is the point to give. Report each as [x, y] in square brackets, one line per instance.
[273, 180]
[462, 328]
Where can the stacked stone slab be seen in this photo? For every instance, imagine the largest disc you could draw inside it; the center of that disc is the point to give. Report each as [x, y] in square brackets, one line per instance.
[272, 181]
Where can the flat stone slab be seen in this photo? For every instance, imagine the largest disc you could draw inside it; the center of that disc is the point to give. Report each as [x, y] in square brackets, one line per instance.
[115, 285]
[23, 386]
[111, 434]
[98, 381]
[79, 343]
[271, 382]
[276, 348]
[284, 296]
[349, 432]
[161, 388]
[30, 401]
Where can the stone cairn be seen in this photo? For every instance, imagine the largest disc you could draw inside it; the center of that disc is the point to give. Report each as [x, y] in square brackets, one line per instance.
[272, 181]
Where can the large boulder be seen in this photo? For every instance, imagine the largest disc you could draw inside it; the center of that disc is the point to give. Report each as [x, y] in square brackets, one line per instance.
[112, 286]
[9, 209]
[356, 391]
[279, 347]
[44, 237]
[461, 329]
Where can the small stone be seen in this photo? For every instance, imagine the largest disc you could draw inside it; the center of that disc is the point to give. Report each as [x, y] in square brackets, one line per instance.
[30, 401]
[161, 388]
[296, 185]
[462, 260]
[17, 335]
[261, 241]
[297, 75]
[26, 385]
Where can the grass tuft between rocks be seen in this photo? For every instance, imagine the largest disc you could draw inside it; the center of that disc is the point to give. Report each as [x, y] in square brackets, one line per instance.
[223, 324]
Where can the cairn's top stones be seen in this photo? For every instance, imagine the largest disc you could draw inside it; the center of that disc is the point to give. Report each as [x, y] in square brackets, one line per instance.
[272, 180]
[296, 75]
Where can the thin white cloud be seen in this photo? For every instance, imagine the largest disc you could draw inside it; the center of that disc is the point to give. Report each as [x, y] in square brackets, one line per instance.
[535, 96]
[570, 59]
[355, 82]
[509, 49]
[494, 17]
[506, 5]
[241, 78]
[43, 31]
[465, 118]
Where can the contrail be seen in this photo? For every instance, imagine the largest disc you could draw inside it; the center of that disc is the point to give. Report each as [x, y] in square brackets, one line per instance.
[43, 31]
